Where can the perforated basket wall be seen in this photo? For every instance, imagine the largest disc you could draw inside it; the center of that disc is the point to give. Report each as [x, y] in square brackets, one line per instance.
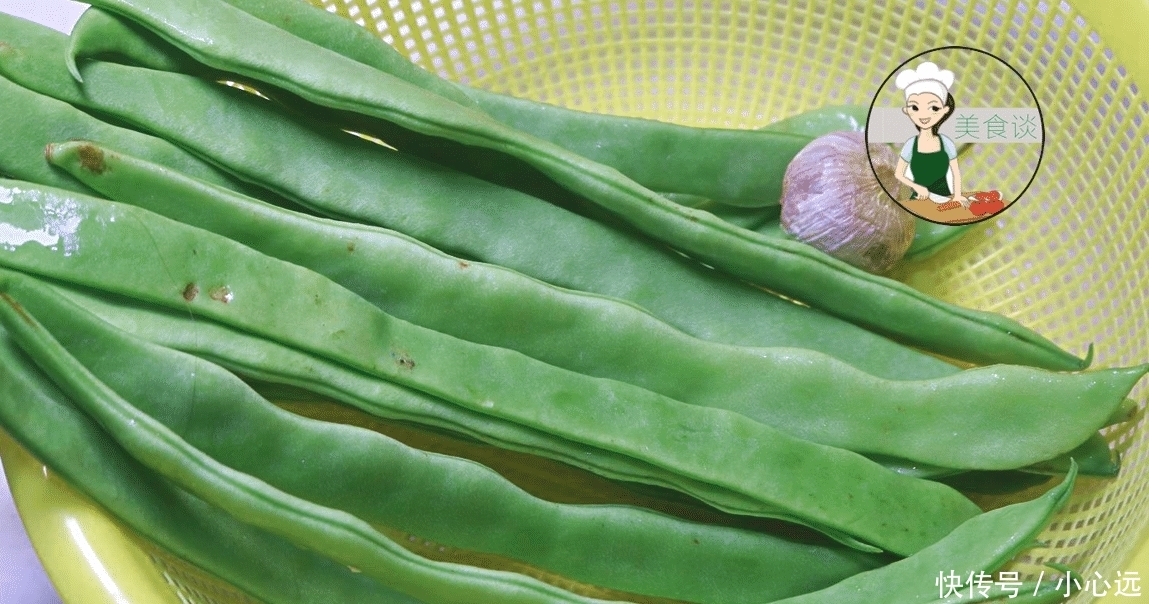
[1070, 260]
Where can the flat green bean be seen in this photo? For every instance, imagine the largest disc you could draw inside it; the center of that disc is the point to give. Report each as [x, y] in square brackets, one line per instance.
[330, 31]
[711, 162]
[141, 255]
[258, 563]
[339, 175]
[335, 534]
[387, 483]
[931, 238]
[743, 168]
[234, 41]
[982, 544]
[1093, 458]
[272, 363]
[807, 394]
[98, 33]
[30, 121]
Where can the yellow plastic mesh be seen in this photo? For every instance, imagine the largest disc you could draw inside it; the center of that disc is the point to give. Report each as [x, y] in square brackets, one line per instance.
[1070, 260]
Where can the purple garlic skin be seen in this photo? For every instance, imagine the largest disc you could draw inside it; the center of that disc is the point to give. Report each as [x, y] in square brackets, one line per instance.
[831, 201]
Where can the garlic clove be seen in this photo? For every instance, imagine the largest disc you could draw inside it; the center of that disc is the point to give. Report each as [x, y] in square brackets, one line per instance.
[832, 201]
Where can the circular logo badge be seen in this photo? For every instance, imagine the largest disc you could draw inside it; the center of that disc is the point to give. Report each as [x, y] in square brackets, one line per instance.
[965, 131]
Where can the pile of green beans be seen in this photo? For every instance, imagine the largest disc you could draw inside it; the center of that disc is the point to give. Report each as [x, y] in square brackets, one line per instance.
[388, 484]
[347, 539]
[342, 176]
[261, 563]
[234, 41]
[185, 268]
[810, 395]
[99, 33]
[180, 258]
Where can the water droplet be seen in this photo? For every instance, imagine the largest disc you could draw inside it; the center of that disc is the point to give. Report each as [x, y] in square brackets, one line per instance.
[13, 237]
[222, 294]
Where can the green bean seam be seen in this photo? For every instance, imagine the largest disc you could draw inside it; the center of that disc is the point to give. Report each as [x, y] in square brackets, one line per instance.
[807, 394]
[225, 37]
[335, 534]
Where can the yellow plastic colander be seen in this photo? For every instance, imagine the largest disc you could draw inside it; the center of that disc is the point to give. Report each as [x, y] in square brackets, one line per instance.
[1070, 259]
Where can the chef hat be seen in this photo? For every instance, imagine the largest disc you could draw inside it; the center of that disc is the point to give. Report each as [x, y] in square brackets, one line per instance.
[926, 78]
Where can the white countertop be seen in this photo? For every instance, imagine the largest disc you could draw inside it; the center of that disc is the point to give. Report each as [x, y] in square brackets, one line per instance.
[22, 578]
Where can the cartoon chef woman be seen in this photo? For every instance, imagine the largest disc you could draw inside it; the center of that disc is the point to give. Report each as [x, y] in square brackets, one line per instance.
[928, 162]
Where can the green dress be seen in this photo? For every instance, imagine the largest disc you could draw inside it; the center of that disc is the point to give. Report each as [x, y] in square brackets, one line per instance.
[929, 169]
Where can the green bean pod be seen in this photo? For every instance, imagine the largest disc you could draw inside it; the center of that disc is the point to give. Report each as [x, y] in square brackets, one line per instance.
[710, 162]
[743, 168]
[1093, 458]
[981, 544]
[256, 562]
[807, 394]
[226, 38]
[339, 175]
[131, 252]
[30, 121]
[386, 483]
[329, 30]
[931, 238]
[98, 33]
[333, 533]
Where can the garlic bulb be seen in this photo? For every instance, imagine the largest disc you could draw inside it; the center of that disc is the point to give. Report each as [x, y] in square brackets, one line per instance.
[831, 200]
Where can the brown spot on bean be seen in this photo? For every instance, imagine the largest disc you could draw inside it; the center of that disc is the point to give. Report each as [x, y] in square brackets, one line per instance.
[92, 159]
[350, 246]
[464, 264]
[403, 360]
[222, 294]
[18, 308]
[191, 292]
